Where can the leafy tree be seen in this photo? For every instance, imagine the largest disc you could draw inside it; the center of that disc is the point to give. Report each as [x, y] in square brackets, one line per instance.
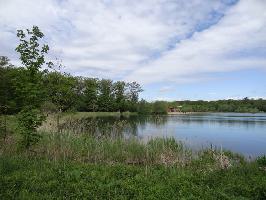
[61, 92]
[106, 95]
[60, 89]
[3, 96]
[91, 94]
[29, 121]
[144, 107]
[32, 57]
[159, 107]
[134, 90]
[120, 97]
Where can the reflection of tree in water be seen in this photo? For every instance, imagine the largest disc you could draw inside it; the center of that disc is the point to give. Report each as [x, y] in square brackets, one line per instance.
[115, 126]
[111, 125]
[216, 120]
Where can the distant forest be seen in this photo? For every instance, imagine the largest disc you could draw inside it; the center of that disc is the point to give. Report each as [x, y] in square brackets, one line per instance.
[230, 105]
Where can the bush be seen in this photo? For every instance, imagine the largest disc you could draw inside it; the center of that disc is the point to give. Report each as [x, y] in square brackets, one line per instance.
[261, 160]
[159, 107]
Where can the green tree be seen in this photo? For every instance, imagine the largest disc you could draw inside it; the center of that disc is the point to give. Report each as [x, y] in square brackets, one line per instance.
[144, 107]
[120, 96]
[91, 94]
[133, 91]
[159, 107]
[32, 56]
[106, 95]
[4, 61]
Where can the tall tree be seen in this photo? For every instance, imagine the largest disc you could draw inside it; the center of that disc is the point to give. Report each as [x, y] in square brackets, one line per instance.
[32, 56]
[134, 90]
[91, 94]
[106, 95]
[120, 96]
[4, 61]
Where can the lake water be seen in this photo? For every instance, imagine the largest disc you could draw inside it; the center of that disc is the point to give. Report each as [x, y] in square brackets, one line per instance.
[242, 133]
[239, 132]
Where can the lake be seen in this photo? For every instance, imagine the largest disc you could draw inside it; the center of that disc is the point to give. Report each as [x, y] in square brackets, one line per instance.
[239, 132]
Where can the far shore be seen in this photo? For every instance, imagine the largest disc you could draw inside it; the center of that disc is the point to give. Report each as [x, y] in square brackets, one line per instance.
[184, 113]
[188, 113]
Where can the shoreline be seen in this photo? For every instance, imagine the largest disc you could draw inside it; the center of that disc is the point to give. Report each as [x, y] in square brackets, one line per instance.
[188, 113]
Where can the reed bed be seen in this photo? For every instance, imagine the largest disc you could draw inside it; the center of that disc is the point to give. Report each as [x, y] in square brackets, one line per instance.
[93, 140]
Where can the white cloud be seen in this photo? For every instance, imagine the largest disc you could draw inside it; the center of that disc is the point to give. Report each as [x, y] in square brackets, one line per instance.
[109, 38]
[234, 43]
[165, 89]
[140, 40]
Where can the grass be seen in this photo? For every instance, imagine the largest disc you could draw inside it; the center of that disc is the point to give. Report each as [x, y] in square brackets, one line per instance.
[98, 114]
[34, 178]
[82, 165]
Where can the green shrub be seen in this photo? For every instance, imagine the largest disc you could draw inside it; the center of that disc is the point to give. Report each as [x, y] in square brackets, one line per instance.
[261, 160]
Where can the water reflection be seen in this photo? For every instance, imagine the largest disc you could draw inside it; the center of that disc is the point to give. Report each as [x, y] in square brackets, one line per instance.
[244, 133]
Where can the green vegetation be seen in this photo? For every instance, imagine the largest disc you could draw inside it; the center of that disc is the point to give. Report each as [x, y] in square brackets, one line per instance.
[241, 106]
[65, 92]
[33, 178]
[82, 165]
[244, 105]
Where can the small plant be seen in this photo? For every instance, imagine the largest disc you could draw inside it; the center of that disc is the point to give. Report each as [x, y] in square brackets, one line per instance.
[29, 120]
[261, 160]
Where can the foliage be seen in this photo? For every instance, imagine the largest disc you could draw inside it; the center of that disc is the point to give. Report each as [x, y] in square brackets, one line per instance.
[159, 107]
[120, 95]
[134, 90]
[244, 105]
[29, 85]
[33, 178]
[106, 95]
[91, 94]
[29, 120]
[60, 90]
[144, 107]
[261, 160]
[65, 91]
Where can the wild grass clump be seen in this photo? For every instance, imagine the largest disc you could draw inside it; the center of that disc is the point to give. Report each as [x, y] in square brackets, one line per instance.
[261, 160]
[133, 151]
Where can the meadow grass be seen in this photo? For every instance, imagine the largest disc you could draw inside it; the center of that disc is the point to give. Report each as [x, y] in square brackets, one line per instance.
[24, 177]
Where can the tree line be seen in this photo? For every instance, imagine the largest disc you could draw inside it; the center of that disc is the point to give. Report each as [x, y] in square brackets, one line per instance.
[59, 90]
[230, 105]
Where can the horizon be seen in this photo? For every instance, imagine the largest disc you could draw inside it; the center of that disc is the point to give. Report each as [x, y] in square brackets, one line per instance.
[177, 50]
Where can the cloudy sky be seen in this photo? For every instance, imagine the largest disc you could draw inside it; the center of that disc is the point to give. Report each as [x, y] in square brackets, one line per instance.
[177, 49]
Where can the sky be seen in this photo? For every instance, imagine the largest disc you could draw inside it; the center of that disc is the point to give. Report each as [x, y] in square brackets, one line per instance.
[176, 49]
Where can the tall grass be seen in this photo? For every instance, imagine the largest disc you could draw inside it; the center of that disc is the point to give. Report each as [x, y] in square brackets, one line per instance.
[92, 141]
[111, 150]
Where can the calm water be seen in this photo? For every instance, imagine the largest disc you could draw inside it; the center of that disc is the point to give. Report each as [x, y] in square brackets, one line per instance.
[243, 133]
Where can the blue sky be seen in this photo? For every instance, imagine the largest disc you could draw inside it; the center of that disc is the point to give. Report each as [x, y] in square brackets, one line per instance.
[176, 49]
